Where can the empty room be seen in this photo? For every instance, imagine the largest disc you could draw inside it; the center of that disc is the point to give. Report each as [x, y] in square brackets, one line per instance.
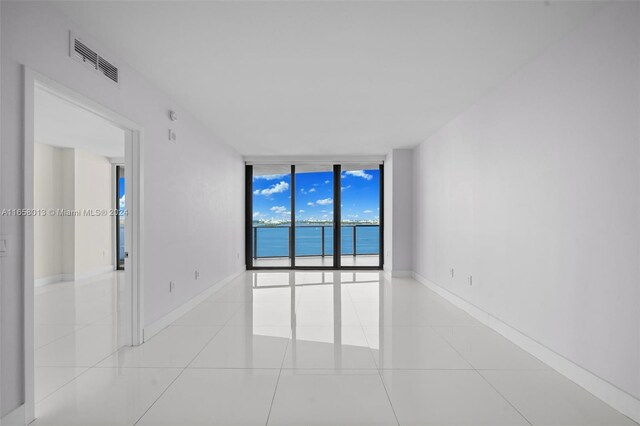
[319, 213]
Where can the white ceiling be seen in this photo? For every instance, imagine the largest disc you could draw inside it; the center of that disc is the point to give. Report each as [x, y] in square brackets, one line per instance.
[326, 78]
[63, 124]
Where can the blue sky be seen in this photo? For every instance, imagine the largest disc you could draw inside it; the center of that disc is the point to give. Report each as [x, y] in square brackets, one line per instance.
[314, 196]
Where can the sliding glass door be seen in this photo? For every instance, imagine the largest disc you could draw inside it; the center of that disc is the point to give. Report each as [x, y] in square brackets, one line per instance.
[271, 230]
[314, 216]
[360, 215]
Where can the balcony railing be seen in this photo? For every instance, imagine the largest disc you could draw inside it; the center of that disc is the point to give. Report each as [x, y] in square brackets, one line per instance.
[272, 241]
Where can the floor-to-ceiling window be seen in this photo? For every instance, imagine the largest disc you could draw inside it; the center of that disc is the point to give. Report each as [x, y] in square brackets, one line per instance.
[120, 206]
[271, 231]
[314, 215]
[360, 215]
[314, 219]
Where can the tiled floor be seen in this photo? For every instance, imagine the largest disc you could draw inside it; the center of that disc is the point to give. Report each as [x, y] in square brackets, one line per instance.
[298, 348]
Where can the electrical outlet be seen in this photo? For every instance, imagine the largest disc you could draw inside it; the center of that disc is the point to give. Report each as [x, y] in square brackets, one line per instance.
[470, 279]
[451, 272]
[172, 286]
[237, 255]
[172, 135]
[4, 245]
[197, 274]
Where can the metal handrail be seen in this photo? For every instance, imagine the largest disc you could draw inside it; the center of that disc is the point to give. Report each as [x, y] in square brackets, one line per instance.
[322, 238]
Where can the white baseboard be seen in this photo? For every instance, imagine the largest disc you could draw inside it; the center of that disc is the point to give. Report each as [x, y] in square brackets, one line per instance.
[14, 418]
[90, 274]
[607, 392]
[390, 273]
[51, 279]
[159, 325]
[58, 278]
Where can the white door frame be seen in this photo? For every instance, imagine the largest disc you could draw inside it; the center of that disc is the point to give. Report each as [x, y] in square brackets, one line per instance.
[134, 191]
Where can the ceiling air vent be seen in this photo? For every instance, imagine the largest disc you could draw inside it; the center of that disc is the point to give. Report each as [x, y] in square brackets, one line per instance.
[83, 53]
[107, 69]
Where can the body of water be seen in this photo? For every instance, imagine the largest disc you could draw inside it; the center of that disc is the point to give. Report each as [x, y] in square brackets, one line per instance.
[273, 241]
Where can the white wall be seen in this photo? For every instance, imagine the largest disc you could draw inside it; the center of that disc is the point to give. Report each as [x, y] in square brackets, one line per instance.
[388, 213]
[535, 192]
[47, 245]
[193, 189]
[68, 247]
[398, 194]
[402, 210]
[68, 203]
[94, 235]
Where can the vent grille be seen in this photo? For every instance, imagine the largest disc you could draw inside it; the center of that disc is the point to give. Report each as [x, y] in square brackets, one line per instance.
[83, 53]
[108, 69]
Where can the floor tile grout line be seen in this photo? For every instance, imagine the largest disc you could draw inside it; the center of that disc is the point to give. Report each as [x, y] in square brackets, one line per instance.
[82, 328]
[178, 376]
[159, 396]
[64, 384]
[275, 389]
[87, 369]
[366, 339]
[483, 378]
[503, 396]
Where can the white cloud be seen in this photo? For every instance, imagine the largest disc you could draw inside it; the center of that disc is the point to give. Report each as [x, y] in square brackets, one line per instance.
[279, 209]
[300, 211]
[269, 177]
[310, 203]
[325, 201]
[345, 188]
[312, 190]
[360, 173]
[256, 214]
[368, 211]
[303, 191]
[277, 188]
[327, 181]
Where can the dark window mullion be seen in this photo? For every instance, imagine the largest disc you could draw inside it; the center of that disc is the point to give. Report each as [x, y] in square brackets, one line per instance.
[292, 237]
[249, 234]
[337, 228]
[381, 218]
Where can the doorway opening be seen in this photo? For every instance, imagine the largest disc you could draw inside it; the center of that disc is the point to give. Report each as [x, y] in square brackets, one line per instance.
[82, 273]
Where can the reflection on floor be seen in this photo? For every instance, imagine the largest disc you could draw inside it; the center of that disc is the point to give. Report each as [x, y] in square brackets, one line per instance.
[359, 261]
[76, 327]
[324, 348]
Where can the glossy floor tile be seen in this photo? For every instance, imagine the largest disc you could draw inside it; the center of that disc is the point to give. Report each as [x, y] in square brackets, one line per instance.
[175, 346]
[486, 349]
[295, 348]
[50, 379]
[210, 313]
[331, 398]
[111, 396]
[447, 397]
[329, 348]
[244, 347]
[412, 348]
[215, 397]
[548, 398]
